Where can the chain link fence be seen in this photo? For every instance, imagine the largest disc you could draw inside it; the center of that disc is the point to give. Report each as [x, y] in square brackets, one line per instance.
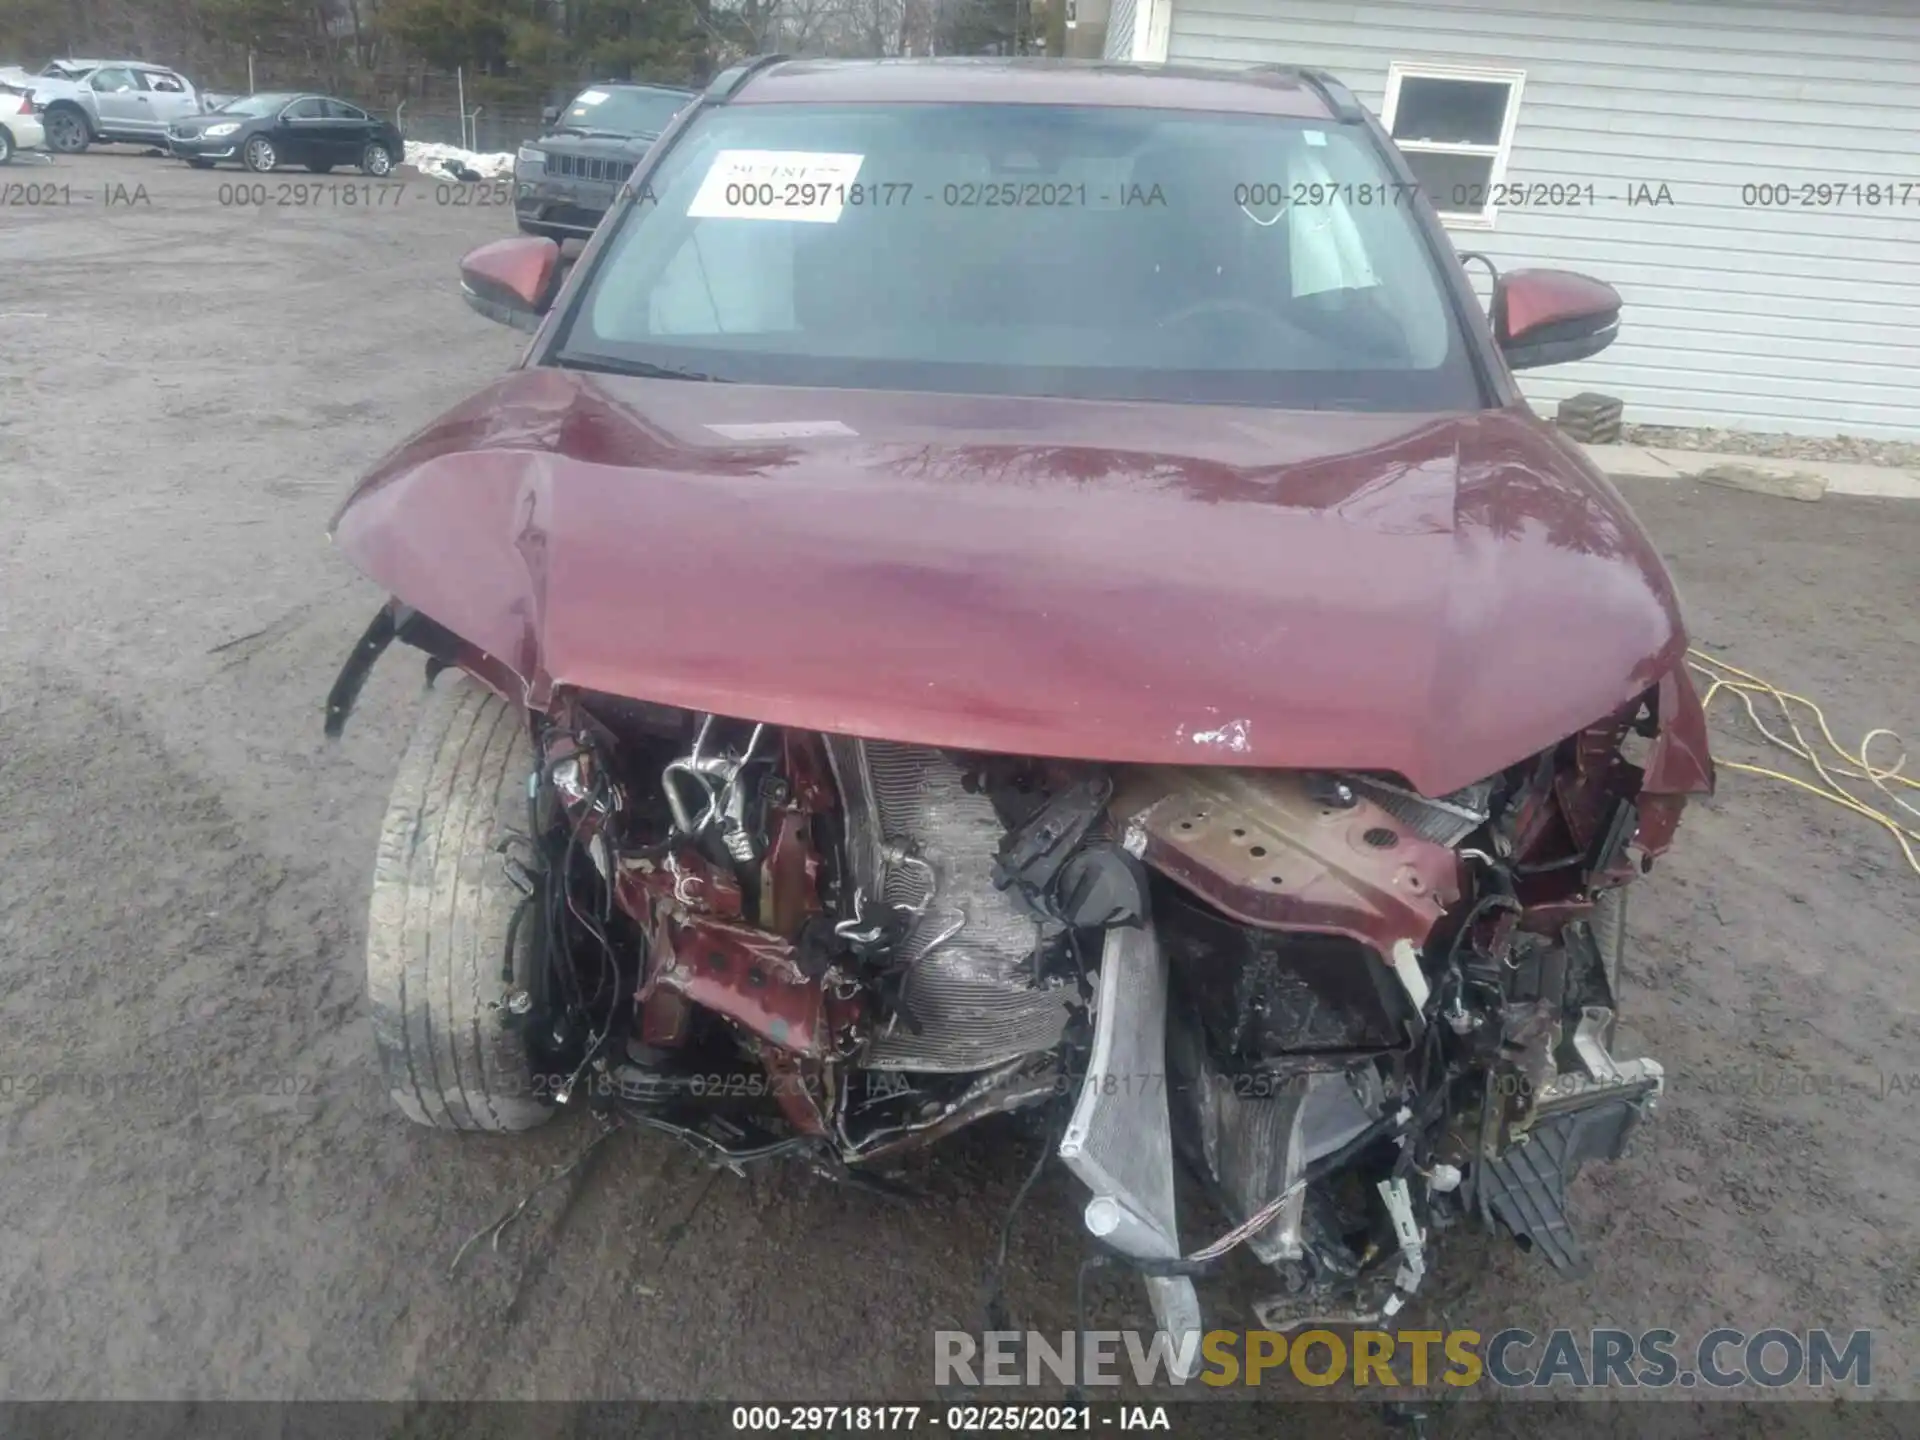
[488, 131]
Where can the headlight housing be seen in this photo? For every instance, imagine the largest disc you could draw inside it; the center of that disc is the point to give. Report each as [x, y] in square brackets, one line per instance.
[527, 155]
[225, 127]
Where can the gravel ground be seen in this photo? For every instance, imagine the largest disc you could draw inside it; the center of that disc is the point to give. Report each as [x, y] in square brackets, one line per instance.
[1898, 454]
[218, 1202]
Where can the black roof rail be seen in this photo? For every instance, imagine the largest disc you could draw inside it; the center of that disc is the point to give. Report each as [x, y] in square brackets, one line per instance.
[727, 83]
[1339, 98]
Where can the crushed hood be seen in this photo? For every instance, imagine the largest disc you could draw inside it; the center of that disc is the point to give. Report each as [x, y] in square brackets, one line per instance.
[1439, 596]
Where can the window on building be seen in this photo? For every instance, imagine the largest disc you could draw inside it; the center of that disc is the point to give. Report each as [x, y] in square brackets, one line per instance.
[1455, 127]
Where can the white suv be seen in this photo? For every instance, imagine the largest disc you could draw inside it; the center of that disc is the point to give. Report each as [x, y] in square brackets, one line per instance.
[87, 102]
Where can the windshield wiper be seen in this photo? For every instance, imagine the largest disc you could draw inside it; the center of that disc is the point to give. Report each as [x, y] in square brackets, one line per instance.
[638, 369]
[587, 134]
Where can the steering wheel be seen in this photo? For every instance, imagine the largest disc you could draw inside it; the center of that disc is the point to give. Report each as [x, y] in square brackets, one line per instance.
[1222, 305]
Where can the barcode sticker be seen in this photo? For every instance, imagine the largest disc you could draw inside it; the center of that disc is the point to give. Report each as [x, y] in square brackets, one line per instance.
[776, 185]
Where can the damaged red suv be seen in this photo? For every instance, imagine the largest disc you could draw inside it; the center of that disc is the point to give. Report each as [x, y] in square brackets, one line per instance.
[1032, 587]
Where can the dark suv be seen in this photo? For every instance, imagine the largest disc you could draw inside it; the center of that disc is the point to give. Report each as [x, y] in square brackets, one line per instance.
[565, 181]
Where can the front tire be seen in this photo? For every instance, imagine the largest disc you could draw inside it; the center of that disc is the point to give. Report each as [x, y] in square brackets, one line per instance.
[6, 145]
[67, 130]
[259, 156]
[441, 913]
[376, 160]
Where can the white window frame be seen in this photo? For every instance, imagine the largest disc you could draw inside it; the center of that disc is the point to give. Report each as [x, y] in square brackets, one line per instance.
[1514, 80]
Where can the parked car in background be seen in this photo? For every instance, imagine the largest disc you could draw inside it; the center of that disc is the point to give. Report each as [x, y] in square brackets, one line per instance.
[103, 102]
[20, 127]
[264, 132]
[565, 181]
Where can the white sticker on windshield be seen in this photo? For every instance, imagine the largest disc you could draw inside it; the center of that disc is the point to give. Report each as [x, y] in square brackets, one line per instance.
[1316, 137]
[777, 185]
[591, 97]
[782, 429]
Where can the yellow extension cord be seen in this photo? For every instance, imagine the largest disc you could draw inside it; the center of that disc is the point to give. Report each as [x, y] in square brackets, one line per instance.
[1745, 686]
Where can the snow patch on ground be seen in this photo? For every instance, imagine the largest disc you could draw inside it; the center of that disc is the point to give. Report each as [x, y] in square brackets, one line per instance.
[431, 159]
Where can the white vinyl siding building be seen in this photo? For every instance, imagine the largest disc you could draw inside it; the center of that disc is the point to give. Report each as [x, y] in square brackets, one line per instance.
[1746, 173]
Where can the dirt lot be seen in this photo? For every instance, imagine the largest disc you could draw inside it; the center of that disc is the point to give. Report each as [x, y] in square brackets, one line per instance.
[186, 387]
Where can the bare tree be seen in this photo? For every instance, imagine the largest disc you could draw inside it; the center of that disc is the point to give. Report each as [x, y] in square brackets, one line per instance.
[876, 27]
[804, 25]
[762, 27]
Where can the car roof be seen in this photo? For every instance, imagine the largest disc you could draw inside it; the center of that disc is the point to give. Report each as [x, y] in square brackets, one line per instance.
[1250, 89]
[76, 64]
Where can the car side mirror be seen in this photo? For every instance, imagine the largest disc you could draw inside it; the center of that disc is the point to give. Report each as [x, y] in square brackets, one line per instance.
[1549, 317]
[512, 281]
[550, 115]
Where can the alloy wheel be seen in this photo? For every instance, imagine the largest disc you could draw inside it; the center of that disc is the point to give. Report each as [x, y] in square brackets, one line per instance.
[66, 132]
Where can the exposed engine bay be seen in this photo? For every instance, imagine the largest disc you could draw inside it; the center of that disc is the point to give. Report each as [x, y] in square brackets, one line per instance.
[1355, 1014]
